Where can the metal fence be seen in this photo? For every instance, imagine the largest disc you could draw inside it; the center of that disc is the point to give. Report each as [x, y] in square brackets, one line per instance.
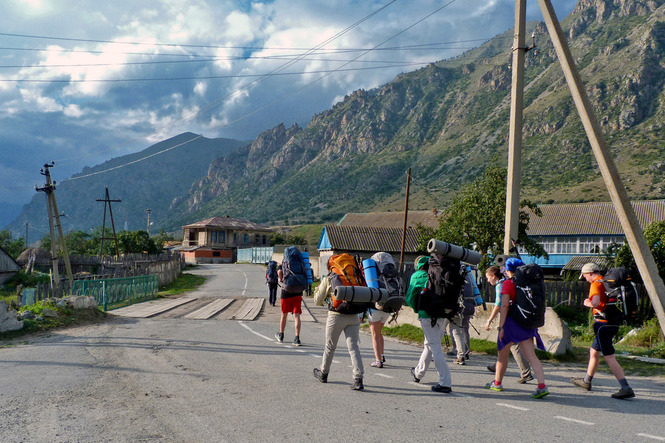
[114, 291]
[255, 255]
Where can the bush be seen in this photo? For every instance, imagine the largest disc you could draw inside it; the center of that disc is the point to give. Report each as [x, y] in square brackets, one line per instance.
[648, 336]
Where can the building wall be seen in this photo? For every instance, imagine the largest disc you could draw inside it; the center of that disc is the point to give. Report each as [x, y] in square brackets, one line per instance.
[208, 256]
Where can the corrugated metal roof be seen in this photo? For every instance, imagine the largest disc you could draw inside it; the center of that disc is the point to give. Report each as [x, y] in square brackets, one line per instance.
[390, 219]
[576, 263]
[590, 218]
[237, 224]
[371, 239]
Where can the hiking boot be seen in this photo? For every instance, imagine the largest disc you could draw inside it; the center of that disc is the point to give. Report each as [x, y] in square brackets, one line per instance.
[623, 394]
[467, 356]
[443, 389]
[540, 392]
[296, 342]
[280, 337]
[320, 376]
[459, 361]
[492, 386]
[413, 374]
[383, 359]
[525, 379]
[376, 364]
[357, 384]
[491, 368]
[579, 381]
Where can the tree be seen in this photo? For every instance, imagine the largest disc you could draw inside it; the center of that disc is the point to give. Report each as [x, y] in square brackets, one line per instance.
[11, 247]
[161, 239]
[136, 242]
[655, 236]
[476, 218]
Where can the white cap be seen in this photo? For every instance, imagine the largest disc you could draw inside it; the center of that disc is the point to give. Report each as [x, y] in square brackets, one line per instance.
[588, 269]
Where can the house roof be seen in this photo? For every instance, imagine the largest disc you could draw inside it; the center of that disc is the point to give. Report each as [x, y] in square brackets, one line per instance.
[590, 218]
[237, 224]
[390, 219]
[576, 263]
[365, 238]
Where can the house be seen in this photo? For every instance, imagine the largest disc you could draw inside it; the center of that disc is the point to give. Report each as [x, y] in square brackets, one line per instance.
[391, 219]
[364, 241]
[217, 239]
[570, 231]
[8, 266]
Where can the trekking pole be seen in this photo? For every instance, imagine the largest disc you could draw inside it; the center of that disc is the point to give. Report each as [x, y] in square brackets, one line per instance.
[474, 328]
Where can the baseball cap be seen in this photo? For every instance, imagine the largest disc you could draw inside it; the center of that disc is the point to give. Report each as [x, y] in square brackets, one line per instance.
[589, 268]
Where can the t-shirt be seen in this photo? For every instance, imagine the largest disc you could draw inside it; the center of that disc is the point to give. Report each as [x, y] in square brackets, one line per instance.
[508, 287]
[497, 290]
[597, 288]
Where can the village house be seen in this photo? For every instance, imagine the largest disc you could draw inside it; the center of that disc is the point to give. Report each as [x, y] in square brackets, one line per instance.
[8, 266]
[217, 239]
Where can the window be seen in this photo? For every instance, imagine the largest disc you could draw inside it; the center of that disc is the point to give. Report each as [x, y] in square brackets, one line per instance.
[215, 253]
[245, 239]
[264, 240]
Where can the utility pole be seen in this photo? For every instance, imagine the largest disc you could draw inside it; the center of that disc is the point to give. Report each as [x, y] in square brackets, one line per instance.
[148, 227]
[631, 226]
[54, 215]
[107, 200]
[26, 235]
[406, 214]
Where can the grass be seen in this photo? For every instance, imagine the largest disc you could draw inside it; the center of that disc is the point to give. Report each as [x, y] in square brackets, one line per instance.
[184, 283]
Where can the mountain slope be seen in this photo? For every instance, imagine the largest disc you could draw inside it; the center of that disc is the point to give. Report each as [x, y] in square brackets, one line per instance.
[447, 121]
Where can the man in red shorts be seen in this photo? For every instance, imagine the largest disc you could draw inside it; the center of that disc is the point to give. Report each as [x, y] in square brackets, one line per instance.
[290, 302]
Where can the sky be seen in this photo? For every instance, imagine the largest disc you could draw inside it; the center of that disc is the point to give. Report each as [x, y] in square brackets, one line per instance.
[84, 81]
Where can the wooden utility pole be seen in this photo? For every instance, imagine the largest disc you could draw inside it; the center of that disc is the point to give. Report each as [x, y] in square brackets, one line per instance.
[107, 200]
[54, 216]
[631, 226]
[406, 215]
[148, 226]
[515, 135]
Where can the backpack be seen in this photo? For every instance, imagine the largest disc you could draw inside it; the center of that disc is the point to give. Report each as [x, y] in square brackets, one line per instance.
[344, 271]
[294, 271]
[388, 278]
[271, 272]
[528, 307]
[442, 298]
[470, 293]
[622, 295]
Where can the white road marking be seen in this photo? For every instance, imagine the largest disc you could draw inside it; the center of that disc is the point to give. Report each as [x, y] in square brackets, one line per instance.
[574, 420]
[383, 375]
[462, 395]
[512, 407]
[254, 332]
[418, 384]
[245, 288]
[655, 437]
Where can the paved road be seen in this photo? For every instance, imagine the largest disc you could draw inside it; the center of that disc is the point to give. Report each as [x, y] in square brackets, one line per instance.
[169, 378]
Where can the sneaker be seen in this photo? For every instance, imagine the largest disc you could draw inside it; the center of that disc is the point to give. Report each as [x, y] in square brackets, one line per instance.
[357, 384]
[623, 394]
[383, 359]
[443, 389]
[492, 386]
[540, 393]
[451, 353]
[491, 368]
[525, 379]
[579, 381]
[279, 337]
[459, 361]
[320, 376]
[376, 364]
[467, 356]
[413, 374]
[296, 342]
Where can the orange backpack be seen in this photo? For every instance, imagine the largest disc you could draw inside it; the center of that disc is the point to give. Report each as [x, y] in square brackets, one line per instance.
[344, 271]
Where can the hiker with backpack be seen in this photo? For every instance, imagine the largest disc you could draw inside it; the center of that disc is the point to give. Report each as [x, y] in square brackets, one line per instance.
[292, 274]
[433, 329]
[460, 330]
[271, 281]
[343, 270]
[495, 278]
[606, 321]
[519, 323]
[384, 272]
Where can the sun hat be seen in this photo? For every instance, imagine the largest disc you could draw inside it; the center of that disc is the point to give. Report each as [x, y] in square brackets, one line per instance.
[588, 269]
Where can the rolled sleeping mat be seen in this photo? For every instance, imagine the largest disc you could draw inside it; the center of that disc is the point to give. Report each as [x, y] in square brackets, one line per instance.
[308, 267]
[310, 276]
[371, 271]
[360, 294]
[435, 246]
[500, 260]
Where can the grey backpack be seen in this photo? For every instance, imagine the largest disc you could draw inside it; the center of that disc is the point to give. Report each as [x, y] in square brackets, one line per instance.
[389, 280]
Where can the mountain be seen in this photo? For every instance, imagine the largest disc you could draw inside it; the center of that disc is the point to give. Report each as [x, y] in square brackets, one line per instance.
[141, 181]
[447, 121]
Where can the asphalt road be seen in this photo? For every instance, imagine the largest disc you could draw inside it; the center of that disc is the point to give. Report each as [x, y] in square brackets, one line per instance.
[169, 378]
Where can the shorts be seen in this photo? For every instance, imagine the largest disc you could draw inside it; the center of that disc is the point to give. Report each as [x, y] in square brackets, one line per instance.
[514, 333]
[376, 315]
[291, 304]
[604, 337]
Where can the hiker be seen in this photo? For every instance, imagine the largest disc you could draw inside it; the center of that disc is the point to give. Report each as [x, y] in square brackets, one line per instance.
[339, 322]
[461, 339]
[605, 327]
[512, 332]
[294, 281]
[271, 281]
[495, 278]
[432, 330]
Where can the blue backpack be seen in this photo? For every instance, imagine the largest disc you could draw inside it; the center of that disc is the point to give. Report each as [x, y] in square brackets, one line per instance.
[294, 272]
[271, 273]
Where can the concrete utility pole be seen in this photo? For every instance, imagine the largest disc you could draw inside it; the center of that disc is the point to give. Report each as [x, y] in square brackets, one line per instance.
[53, 214]
[148, 227]
[515, 135]
[406, 214]
[631, 227]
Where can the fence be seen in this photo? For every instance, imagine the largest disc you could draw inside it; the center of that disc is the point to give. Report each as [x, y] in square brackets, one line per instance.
[113, 291]
[255, 255]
